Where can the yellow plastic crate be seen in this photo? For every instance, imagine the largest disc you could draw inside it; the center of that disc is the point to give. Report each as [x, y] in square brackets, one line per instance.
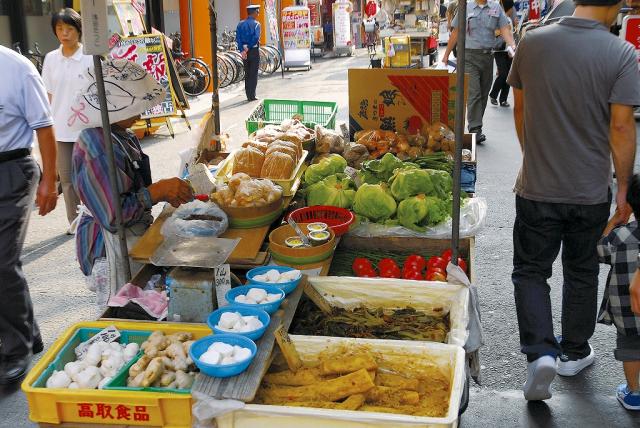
[108, 407]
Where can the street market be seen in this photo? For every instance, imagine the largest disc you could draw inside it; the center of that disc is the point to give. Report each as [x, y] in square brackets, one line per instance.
[325, 271]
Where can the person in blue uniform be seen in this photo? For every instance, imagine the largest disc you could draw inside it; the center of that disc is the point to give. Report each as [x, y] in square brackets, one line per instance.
[248, 39]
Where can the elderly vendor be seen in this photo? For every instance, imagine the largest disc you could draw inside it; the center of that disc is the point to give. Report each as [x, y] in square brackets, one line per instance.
[97, 232]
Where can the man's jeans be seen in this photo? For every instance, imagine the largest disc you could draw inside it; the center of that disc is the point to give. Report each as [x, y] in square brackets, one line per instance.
[539, 229]
[18, 184]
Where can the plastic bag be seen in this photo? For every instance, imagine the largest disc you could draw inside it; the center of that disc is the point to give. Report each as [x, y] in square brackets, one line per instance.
[473, 215]
[196, 218]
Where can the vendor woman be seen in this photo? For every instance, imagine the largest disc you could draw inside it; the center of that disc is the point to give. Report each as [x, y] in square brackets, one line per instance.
[97, 232]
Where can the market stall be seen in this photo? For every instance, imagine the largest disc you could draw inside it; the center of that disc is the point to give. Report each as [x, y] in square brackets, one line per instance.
[351, 243]
[419, 22]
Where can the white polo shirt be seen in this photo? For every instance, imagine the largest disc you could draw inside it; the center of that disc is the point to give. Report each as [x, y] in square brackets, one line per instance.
[23, 102]
[63, 78]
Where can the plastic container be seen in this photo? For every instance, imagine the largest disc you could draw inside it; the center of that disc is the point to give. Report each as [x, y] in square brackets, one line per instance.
[301, 256]
[267, 307]
[264, 317]
[395, 353]
[200, 347]
[273, 112]
[287, 287]
[136, 408]
[338, 219]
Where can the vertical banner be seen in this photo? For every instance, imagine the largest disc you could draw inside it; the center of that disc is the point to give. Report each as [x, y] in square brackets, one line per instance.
[296, 36]
[342, 24]
[272, 20]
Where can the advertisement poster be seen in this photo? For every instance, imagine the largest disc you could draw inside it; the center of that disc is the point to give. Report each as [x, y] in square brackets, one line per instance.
[129, 18]
[342, 24]
[272, 20]
[631, 32]
[148, 51]
[296, 31]
[404, 101]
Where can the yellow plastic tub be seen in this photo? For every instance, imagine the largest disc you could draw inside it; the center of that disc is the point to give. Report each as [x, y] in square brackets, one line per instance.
[108, 407]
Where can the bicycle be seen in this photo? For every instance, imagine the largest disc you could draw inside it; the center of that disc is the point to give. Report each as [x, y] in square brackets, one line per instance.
[35, 55]
[194, 73]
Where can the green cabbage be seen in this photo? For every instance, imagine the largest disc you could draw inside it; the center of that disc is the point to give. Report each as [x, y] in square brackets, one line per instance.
[438, 210]
[330, 165]
[380, 170]
[411, 182]
[412, 211]
[442, 183]
[337, 190]
[374, 202]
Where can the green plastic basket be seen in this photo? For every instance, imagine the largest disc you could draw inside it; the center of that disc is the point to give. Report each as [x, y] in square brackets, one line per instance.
[273, 112]
[67, 354]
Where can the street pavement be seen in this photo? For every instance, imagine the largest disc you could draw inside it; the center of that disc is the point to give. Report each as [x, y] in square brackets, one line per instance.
[61, 298]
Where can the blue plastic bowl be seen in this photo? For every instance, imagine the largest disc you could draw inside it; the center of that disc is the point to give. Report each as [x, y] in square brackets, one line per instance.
[200, 346]
[267, 307]
[287, 287]
[264, 317]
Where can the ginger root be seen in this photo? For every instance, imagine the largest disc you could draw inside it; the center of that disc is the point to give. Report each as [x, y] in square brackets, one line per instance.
[167, 378]
[180, 337]
[153, 372]
[184, 380]
[136, 381]
[156, 343]
[139, 366]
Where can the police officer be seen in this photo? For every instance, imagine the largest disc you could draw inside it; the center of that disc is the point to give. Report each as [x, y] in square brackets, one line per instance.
[248, 39]
[483, 19]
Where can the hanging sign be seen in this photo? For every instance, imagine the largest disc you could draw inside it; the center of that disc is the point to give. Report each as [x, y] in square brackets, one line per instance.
[342, 24]
[95, 37]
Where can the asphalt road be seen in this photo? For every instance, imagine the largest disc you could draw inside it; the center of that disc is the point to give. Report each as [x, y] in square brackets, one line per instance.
[61, 298]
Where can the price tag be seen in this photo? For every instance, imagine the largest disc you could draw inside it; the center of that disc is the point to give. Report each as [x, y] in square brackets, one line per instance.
[108, 335]
[288, 350]
[222, 278]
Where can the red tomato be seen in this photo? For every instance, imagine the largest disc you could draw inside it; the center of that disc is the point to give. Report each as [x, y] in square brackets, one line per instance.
[412, 274]
[368, 273]
[390, 272]
[436, 262]
[415, 260]
[436, 270]
[387, 263]
[462, 264]
[446, 254]
[436, 276]
[360, 264]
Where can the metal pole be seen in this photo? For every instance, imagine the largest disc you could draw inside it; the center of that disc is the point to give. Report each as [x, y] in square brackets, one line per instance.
[191, 41]
[215, 98]
[459, 131]
[281, 40]
[113, 180]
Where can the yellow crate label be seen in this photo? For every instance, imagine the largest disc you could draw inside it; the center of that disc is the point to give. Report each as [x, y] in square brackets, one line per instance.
[120, 412]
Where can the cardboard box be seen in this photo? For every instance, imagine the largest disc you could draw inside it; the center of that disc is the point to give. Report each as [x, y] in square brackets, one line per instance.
[402, 100]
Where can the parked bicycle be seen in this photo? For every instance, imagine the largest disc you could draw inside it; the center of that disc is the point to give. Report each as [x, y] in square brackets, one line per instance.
[35, 55]
[194, 73]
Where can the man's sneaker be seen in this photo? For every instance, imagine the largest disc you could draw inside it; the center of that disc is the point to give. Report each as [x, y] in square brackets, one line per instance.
[540, 374]
[629, 400]
[571, 367]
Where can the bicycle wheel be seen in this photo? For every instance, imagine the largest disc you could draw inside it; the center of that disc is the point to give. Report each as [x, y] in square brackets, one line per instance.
[277, 57]
[223, 72]
[231, 70]
[199, 77]
[265, 62]
[239, 62]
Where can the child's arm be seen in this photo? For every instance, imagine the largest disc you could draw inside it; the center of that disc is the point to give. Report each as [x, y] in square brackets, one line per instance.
[605, 248]
[634, 293]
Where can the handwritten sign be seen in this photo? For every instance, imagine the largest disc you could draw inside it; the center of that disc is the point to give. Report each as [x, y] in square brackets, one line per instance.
[107, 335]
[222, 280]
[296, 31]
[95, 37]
[342, 24]
[149, 52]
[129, 18]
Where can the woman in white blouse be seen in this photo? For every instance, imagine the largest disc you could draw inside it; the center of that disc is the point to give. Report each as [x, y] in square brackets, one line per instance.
[62, 74]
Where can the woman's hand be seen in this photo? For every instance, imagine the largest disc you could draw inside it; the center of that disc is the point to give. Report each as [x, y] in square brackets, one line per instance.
[173, 190]
[634, 293]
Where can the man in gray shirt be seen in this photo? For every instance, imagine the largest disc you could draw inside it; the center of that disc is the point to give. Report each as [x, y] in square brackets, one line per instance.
[575, 85]
[484, 18]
